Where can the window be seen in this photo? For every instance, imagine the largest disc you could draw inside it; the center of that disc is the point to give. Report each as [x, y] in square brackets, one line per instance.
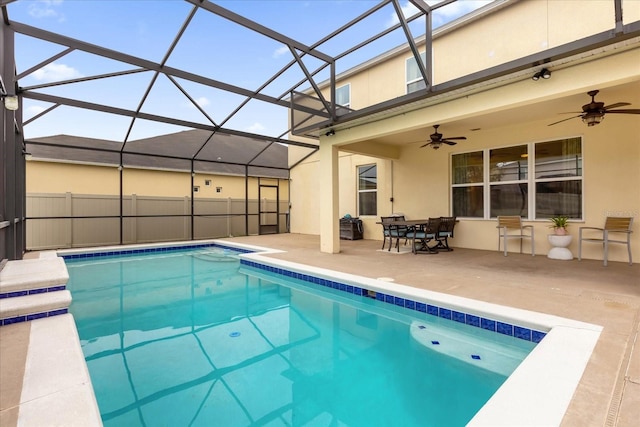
[218, 189]
[343, 95]
[498, 181]
[467, 191]
[367, 190]
[207, 182]
[196, 188]
[414, 78]
[508, 173]
[558, 178]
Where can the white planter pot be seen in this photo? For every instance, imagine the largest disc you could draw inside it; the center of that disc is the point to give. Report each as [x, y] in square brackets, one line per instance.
[559, 248]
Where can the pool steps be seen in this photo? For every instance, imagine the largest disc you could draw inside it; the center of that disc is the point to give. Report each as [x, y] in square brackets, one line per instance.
[33, 288]
[56, 387]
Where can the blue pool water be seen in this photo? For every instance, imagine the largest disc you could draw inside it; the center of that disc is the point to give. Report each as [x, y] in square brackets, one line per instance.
[192, 337]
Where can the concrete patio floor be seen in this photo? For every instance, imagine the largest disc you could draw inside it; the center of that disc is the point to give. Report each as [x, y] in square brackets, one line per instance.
[609, 392]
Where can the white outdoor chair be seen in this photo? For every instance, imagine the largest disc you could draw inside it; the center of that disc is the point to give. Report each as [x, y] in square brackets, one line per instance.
[511, 227]
[612, 225]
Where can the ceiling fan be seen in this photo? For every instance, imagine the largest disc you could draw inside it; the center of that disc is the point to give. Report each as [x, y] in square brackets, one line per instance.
[593, 112]
[437, 139]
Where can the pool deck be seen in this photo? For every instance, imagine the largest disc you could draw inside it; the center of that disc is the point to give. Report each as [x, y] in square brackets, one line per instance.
[609, 392]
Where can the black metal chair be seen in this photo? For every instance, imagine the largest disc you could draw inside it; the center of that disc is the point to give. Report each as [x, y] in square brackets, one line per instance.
[391, 231]
[445, 230]
[422, 234]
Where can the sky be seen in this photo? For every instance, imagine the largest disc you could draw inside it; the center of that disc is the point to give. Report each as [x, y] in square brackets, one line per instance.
[211, 46]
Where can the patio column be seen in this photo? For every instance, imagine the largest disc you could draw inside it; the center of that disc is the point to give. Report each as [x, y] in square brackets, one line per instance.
[329, 187]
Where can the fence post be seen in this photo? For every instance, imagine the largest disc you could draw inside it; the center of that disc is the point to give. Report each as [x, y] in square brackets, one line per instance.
[187, 218]
[68, 212]
[134, 218]
[229, 208]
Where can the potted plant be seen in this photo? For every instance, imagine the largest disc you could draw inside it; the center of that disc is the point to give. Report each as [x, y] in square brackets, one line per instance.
[559, 223]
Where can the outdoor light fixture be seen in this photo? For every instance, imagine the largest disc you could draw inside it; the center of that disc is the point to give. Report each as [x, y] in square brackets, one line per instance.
[592, 119]
[544, 73]
[10, 102]
[330, 133]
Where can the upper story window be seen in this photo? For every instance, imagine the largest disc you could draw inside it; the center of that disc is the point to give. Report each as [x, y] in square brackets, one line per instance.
[414, 78]
[367, 190]
[534, 181]
[343, 95]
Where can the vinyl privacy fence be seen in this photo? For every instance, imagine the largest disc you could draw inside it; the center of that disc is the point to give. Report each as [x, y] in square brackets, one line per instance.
[66, 220]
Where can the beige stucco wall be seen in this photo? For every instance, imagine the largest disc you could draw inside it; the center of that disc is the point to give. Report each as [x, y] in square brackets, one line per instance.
[50, 177]
[524, 28]
[62, 177]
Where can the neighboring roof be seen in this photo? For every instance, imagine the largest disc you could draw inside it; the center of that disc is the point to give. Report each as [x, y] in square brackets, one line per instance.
[216, 154]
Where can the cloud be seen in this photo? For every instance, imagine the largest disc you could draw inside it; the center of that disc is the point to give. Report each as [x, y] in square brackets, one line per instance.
[45, 9]
[34, 110]
[202, 101]
[408, 9]
[459, 8]
[442, 15]
[280, 51]
[55, 72]
[256, 128]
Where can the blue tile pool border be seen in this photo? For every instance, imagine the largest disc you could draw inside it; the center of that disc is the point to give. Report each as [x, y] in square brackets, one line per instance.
[492, 325]
[21, 293]
[33, 316]
[504, 328]
[137, 251]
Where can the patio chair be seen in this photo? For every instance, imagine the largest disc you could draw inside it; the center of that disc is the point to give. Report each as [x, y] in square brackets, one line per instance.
[422, 234]
[612, 225]
[391, 231]
[511, 227]
[445, 230]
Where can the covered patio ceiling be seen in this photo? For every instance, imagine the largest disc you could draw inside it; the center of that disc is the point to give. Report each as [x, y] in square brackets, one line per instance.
[185, 75]
[546, 111]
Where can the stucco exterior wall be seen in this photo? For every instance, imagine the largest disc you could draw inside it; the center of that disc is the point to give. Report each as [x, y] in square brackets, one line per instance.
[59, 177]
[523, 28]
[50, 177]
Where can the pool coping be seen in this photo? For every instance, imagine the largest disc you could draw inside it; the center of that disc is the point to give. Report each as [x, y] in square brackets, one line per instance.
[537, 393]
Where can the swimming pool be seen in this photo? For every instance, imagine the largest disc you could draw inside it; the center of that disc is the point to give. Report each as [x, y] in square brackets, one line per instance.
[302, 283]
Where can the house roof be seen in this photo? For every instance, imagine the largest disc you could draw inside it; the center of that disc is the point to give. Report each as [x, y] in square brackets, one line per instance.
[216, 154]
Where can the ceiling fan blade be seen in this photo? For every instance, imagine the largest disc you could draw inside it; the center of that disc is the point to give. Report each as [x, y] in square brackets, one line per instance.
[445, 141]
[629, 111]
[457, 137]
[616, 105]
[564, 120]
[428, 143]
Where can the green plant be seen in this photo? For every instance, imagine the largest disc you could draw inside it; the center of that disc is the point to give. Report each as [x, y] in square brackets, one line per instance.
[559, 221]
